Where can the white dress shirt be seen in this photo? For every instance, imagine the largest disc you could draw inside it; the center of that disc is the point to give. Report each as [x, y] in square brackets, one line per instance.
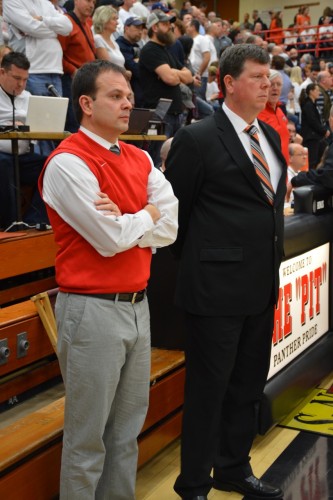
[240, 125]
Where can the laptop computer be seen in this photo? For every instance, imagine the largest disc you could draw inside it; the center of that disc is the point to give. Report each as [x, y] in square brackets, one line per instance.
[46, 114]
[138, 122]
[161, 109]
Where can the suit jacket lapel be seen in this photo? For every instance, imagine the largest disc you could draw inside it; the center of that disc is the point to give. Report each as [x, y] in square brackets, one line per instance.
[237, 151]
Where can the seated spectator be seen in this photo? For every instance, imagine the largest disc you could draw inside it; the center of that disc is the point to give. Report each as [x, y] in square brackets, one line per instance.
[14, 74]
[297, 159]
[292, 60]
[312, 129]
[212, 91]
[326, 38]
[290, 37]
[307, 37]
[105, 20]
[273, 115]
[164, 152]
[294, 137]
[323, 175]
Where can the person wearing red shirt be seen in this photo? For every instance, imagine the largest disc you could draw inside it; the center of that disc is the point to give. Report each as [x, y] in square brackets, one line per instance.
[78, 48]
[273, 114]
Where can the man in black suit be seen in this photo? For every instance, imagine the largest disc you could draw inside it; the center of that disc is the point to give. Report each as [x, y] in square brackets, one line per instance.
[323, 175]
[230, 245]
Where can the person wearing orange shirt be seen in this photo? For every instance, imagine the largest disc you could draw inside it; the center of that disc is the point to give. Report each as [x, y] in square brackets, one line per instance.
[273, 114]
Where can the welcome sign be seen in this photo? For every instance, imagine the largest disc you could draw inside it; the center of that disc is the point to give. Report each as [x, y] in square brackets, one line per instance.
[301, 315]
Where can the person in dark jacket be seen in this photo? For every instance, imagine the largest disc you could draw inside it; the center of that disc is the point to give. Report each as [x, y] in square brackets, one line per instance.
[312, 130]
[322, 176]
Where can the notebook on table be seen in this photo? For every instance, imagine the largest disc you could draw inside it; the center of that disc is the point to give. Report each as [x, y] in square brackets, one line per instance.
[46, 114]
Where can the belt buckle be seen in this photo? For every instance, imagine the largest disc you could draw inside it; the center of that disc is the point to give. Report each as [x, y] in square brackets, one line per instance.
[134, 297]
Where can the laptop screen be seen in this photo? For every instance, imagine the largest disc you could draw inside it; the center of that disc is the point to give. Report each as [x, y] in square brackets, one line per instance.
[46, 114]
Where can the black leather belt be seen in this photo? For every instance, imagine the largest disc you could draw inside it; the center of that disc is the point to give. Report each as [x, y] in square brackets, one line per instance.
[132, 297]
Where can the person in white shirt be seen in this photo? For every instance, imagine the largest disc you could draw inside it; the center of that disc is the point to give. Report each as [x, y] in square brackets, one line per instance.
[307, 37]
[312, 78]
[297, 160]
[14, 101]
[34, 26]
[105, 20]
[200, 55]
[326, 37]
[212, 91]
[125, 13]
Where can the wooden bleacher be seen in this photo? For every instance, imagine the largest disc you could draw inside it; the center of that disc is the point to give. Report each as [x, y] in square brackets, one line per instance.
[30, 252]
[30, 448]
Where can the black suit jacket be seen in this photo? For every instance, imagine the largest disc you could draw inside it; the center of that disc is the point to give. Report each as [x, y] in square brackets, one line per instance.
[230, 240]
[322, 176]
[311, 126]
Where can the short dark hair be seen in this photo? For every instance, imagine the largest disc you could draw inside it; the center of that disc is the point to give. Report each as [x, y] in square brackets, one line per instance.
[278, 62]
[84, 81]
[195, 23]
[17, 59]
[233, 59]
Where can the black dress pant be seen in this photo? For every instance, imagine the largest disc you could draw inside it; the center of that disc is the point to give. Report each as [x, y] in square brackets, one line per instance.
[30, 165]
[227, 362]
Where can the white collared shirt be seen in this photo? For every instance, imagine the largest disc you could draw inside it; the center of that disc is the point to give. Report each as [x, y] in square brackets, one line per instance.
[240, 125]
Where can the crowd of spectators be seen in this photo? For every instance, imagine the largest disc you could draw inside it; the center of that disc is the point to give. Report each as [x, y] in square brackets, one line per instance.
[173, 53]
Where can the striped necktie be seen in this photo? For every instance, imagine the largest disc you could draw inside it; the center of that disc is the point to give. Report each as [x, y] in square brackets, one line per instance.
[260, 163]
[115, 149]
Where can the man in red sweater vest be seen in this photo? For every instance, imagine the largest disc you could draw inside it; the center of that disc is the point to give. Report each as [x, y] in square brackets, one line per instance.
[108, 206]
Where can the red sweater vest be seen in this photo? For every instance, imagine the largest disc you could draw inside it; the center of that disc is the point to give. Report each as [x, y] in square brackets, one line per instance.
[79, 267]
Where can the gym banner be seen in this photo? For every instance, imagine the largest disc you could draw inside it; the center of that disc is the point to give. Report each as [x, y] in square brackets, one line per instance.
[301, 315]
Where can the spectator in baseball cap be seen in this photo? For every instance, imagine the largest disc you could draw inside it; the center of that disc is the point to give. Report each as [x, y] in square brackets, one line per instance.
[159, 17]
[134, 21]
[160, 6]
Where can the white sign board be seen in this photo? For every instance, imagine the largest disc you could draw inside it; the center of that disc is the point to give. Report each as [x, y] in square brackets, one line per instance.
[301, 315]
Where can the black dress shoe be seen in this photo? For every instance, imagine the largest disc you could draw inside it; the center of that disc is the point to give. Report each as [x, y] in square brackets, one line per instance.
[251, 486]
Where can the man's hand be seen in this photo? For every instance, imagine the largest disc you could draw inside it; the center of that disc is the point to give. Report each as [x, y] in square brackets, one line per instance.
[289, 190]
[154, 212]
[106, 205]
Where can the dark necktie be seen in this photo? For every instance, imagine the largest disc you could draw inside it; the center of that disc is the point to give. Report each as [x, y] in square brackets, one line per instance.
[115, 149]
[260, 163]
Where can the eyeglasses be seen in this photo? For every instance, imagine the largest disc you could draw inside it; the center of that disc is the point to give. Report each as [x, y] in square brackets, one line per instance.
[300, 154]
